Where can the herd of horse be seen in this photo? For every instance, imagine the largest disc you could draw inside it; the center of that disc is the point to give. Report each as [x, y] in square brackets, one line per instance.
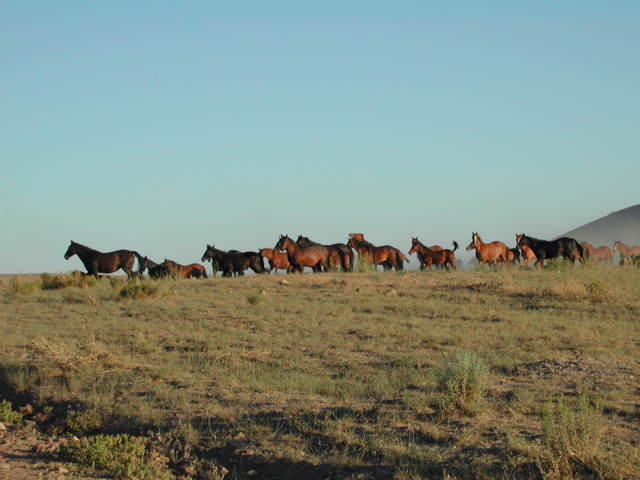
[295, 256]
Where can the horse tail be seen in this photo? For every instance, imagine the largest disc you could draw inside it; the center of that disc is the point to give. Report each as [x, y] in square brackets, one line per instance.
[581, 250]
[455, 246]
[140, 260]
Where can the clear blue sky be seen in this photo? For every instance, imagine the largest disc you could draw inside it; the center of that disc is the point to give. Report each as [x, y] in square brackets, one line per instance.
[165, 126]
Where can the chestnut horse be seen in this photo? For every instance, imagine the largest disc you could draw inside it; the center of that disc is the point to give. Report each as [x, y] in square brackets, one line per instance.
[386, 256]
[513, 255]
[193, 270]
[276, 260]
[600, 254]
[97, 262]
[525, 252]
[566, 247]
[625, 250]
[316, 257]
[444, 257]
[340, 255]
[493, 252]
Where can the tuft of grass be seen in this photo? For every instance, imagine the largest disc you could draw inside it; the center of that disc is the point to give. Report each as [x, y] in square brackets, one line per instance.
[462, 381]
[7, 415]
[572, 435]
[59, 282]
[20, 285]
[255, 298]
[136, 290]
[123, 456]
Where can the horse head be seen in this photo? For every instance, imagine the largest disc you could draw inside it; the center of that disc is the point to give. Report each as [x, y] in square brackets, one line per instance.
[474, 241]
[71, 251]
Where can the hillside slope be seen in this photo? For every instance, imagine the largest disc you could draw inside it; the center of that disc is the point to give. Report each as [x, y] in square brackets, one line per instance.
[623, 225]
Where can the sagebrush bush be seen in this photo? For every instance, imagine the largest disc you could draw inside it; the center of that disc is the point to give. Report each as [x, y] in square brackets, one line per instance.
[123, 456]
[7, 415]
[58, 282]
[138, 289]
[572, 435]
[20, 285]
[462, 381]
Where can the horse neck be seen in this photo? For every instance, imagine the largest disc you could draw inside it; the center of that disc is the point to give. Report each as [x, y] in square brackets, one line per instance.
[84, 252]
[291, 246]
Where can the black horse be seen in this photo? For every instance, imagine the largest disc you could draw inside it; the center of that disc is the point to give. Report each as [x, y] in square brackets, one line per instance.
[156, 270]
[566, 247]
[233, 261]
[97, 262]
[339, 253]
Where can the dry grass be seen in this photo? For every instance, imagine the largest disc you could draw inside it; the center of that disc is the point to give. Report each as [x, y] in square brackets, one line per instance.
[336, 375]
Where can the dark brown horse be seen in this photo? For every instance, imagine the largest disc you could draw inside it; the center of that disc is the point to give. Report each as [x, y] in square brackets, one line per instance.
[386, 256]
[276, 260]
[193, 270]
[340, 255]
[599, 254]
[316, 257]
[232, 262]
[625, 250]
[156, 270]
[566, 247]
[444, 257]
[493, 252]
[97, 262]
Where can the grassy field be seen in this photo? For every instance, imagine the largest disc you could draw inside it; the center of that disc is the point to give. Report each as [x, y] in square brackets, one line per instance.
[478, 374]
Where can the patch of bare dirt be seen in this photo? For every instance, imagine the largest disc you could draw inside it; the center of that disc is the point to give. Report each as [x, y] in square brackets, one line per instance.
[27, 454]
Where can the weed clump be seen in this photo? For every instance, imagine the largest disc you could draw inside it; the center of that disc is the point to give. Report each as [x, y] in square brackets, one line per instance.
[462, 381]
[7, 415]
[75, 280]
[123, 456]
[20, 285]
[137, 290]
[572, 435]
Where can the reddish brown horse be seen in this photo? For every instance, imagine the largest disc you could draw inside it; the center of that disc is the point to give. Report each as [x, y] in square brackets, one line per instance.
[386, 256]
[526, 253]
[625, 250]
[193, 270]
[493, 252]
[276, 260]
[444, 257]
[97, 262]
[599, 254]
[340, 255]
[513, 255]
[316, 257]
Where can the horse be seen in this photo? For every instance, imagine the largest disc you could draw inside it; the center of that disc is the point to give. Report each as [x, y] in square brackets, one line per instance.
[386, 255]
[193, 270]
[513, 256]
[276, 260]
[566, 247]
[316, 257]
[339, 253]
[156, 270]
[493, 252]
[600, 254]
[526, 253]
[430, 257]
[625, 250]
[97, 262]
[233, 262]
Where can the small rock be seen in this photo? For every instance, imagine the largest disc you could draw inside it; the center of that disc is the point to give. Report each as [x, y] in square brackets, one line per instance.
[63, 470]
[282, 282]
[252, 473]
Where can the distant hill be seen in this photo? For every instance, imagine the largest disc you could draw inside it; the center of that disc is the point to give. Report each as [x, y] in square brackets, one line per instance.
[623, 225]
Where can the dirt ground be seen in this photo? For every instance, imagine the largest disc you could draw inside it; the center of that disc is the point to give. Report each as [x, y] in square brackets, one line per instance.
[26, 454]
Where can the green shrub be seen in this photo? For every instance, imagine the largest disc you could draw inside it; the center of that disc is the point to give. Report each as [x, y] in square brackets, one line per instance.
[462, 381]
[572, 434]
[82, 423]
[75, 279]
[123, 456]
[254, 298]
[20, 285]
[135, 289]
[7, 415]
